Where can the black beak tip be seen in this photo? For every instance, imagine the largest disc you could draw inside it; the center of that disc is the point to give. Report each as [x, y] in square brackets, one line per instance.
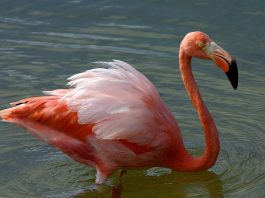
[235, 86]
[232, 74]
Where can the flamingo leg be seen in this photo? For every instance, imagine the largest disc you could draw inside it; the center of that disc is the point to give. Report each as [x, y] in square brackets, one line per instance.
[123, 171]
[116, 191]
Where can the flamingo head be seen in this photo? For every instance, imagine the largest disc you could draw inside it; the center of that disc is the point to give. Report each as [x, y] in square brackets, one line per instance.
[200, 45]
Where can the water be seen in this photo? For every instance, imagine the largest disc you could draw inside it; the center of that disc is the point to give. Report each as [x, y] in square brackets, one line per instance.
[44, 42]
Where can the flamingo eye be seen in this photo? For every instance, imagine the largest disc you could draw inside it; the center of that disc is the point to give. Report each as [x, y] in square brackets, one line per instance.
[200, 44]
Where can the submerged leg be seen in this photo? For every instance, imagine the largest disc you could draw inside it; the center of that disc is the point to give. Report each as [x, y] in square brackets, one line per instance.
[121, 174]
[116, 191]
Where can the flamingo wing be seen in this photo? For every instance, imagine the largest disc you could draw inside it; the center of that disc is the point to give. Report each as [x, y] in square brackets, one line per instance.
[47, 111]
[121, 102]
[108, 118]
[49, 118]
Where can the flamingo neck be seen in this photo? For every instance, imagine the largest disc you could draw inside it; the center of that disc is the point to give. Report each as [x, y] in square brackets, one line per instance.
[210, 154]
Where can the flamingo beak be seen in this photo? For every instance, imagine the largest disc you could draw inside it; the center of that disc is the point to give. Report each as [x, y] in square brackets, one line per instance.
[232, 73]
[223, 60]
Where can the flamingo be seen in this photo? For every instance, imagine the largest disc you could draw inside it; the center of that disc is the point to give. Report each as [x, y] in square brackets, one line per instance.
[114, 118]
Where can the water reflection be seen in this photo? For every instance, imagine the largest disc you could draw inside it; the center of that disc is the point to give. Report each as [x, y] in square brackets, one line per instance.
[203, 184]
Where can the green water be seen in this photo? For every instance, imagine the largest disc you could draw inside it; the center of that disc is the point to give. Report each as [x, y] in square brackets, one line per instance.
[44, 42]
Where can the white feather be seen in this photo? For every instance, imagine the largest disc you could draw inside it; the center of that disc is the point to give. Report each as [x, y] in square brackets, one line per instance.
[120, 101]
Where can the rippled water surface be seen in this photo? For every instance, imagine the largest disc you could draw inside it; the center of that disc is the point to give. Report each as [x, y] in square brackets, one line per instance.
[44, 42]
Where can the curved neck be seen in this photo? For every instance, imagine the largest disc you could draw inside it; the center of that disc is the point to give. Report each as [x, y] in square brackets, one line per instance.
[210, 154]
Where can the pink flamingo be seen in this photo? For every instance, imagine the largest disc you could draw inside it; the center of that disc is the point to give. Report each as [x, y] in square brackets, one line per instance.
[113, 118]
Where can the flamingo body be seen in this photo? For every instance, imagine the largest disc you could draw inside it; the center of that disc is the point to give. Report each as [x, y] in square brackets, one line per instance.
[114, 118]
